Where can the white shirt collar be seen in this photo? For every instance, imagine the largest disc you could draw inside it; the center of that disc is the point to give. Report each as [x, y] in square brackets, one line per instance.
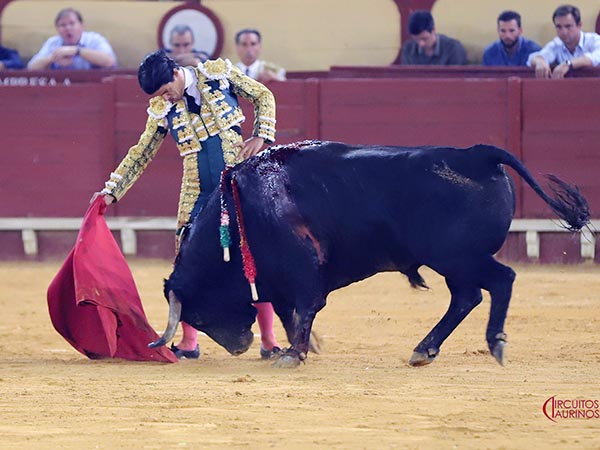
[191, 84]
[253, 69]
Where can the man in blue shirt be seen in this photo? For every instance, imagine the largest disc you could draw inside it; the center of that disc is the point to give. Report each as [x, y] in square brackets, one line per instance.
[571, 49]
[10, 59]
[511, 49]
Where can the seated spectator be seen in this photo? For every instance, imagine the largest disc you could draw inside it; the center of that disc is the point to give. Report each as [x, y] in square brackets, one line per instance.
[571, 49]
[248, 45]
[181, 41]
[10, 59]
[73, 48]
[511, 49]
[429, 47]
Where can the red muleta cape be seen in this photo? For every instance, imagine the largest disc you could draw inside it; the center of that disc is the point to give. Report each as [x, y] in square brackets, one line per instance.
[93, 301]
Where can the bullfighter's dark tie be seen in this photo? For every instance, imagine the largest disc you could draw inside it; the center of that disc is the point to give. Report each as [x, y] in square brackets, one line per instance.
[191, 103]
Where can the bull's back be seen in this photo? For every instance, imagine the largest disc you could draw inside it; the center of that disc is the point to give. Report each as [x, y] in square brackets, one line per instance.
[387, 208]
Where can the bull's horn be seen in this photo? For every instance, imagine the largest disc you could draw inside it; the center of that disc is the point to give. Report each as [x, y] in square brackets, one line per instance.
[174, 317]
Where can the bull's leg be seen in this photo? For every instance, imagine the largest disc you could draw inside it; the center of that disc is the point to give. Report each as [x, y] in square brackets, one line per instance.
[464, 299]
[287, 315]
[298, 326]
[498, 281]
[289, 320]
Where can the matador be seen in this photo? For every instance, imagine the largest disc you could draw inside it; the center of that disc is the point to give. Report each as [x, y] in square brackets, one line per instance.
[199, 107]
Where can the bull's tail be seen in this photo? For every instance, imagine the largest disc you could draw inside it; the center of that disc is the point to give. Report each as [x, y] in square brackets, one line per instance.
[567, 202]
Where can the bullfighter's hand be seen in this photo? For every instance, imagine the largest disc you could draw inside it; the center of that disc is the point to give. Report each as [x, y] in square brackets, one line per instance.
[108, 199]
[250, 147]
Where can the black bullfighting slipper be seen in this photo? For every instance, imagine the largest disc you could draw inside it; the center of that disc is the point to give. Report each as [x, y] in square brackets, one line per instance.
[268, 354]
[186, 354]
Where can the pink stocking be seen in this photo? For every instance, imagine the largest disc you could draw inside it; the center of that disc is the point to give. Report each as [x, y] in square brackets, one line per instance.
[265, 323]
[189, 339]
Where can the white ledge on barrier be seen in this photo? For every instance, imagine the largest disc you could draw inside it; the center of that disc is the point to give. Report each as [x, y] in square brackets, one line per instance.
[533, 228]
[128, 226]
[587, 241]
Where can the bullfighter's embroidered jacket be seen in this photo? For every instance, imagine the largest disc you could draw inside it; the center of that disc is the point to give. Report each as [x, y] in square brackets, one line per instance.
[219, 82]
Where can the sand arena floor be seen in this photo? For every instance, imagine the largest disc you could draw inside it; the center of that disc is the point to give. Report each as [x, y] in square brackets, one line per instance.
[358, 394]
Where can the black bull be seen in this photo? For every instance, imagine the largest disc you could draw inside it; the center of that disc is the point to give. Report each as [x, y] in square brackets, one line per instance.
[321, 215]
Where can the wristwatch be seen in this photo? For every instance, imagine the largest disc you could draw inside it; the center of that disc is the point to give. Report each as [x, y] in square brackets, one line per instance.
[569, 64]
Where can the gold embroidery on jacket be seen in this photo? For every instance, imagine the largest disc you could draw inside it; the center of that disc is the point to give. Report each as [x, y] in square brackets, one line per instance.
[137, 159]
[217, 117]
[190, 189]
[263, 101]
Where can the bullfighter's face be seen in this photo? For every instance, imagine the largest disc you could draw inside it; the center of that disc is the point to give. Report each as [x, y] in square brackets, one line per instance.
[173, 91]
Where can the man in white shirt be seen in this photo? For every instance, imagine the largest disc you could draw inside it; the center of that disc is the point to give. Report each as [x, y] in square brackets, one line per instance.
[248, 44]
[73, 47]
[571, 49]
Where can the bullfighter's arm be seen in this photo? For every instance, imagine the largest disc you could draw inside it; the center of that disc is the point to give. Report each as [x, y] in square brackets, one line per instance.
[137, 159]
[262, 99]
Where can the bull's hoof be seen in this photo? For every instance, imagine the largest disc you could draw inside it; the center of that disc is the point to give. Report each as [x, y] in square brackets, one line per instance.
[315, 342]
[287, 362]
[497, 348]
[289, 359]
[423, 358]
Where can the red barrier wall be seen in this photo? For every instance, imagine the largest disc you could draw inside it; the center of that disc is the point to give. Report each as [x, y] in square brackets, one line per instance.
[61, 142]
[415, 112]
[560, 135]
[54, 140]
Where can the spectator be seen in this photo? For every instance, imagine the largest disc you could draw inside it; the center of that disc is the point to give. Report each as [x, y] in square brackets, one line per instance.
[73, 48]
[429, 47]
[511, 49]
[181, 41]
[198, 106]
[10, 59]
[571, 49]
[248, 45]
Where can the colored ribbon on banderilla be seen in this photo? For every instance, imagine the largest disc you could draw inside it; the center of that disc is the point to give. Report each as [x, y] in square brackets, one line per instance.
[225, 238]
[224, 223]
